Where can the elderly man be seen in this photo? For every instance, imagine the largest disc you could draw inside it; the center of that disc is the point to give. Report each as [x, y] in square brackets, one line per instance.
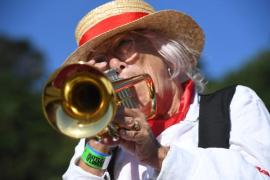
[129, 37]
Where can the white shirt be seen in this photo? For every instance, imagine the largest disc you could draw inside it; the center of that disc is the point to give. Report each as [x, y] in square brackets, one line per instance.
[249, 148]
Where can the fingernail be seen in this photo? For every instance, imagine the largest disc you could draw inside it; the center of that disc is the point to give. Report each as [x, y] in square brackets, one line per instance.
[91, 62]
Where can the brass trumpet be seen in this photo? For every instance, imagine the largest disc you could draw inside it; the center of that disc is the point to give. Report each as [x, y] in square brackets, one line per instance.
[80, 101]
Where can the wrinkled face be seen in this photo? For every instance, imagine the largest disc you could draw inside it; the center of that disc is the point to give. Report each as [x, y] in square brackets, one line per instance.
[132, 54]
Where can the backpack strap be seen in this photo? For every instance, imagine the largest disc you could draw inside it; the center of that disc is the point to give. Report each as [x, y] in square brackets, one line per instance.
[214, 118]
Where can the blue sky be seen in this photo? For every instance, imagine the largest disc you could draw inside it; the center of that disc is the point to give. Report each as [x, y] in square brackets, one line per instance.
[235, 30]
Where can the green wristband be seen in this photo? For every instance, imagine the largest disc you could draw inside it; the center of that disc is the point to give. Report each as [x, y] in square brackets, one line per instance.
[95, 159]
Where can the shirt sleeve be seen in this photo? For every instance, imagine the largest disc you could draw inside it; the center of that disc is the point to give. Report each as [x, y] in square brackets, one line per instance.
[248, 156]
[74, 172]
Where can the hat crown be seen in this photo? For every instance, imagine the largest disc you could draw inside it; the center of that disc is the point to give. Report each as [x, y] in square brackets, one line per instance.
[107, 10]
[119, 16]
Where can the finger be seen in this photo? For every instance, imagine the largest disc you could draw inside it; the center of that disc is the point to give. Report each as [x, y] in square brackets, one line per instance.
[131, 123]
[91, 62]
[129, 135]
[126, 122]
[109, 141]
[136, 126]
[130, 112]
[101, 66]
[133, 112]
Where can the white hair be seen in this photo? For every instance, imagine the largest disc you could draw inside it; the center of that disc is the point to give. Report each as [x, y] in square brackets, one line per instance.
[181, 59]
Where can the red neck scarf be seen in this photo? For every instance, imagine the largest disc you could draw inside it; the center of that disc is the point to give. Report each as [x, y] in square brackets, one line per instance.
[159, 125]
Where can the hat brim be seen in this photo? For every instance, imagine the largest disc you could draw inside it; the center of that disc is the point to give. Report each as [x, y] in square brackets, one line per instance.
[173, 24]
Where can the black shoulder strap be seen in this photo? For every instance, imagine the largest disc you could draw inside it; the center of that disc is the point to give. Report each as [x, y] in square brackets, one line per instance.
[214, 118]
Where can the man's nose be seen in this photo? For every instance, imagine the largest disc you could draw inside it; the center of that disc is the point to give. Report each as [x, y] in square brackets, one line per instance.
[117, 64]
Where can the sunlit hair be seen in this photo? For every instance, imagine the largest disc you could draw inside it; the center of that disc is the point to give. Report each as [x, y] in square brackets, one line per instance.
[181, 60]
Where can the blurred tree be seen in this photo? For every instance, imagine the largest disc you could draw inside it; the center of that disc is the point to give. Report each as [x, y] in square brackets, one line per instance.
[30, 148]
[255, 75]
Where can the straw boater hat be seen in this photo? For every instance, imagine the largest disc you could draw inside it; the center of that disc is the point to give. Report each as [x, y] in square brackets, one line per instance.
[118, 16]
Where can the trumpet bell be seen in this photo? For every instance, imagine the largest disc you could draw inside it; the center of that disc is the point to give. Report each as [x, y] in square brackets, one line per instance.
[79, 101]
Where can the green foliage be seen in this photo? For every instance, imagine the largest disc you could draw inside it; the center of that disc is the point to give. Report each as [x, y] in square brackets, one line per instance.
[255, 74]
[30, 148]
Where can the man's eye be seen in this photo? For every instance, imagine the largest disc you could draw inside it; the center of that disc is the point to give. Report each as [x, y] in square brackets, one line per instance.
[100, 58]
[124, 46]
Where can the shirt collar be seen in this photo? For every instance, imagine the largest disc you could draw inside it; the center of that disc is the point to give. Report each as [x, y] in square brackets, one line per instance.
[193, 112]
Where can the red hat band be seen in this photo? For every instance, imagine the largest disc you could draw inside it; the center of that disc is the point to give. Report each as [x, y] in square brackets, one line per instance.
[110, 24]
